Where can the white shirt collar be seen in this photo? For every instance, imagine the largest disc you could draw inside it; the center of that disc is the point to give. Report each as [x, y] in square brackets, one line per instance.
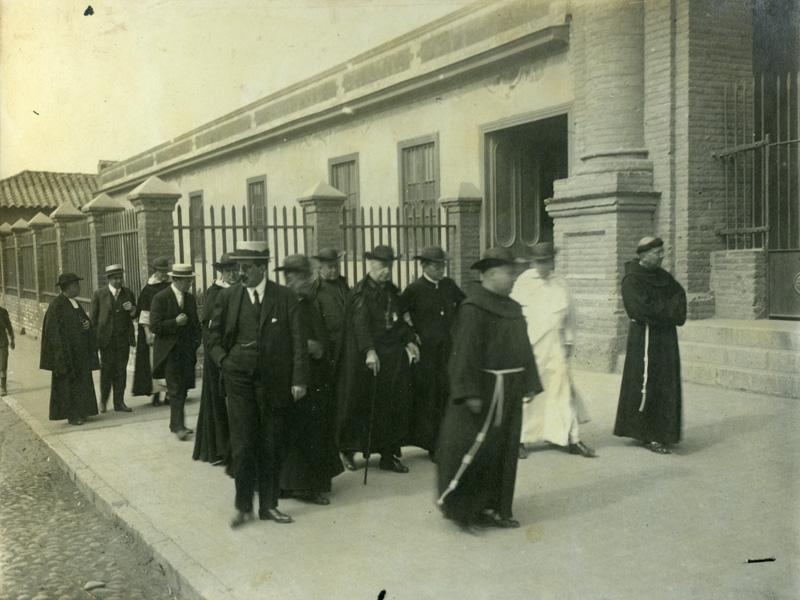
[73, 302]
[435, 283]
[259, 288]
[154, 279]
[178, 295]
[222, 283]
[113, 291]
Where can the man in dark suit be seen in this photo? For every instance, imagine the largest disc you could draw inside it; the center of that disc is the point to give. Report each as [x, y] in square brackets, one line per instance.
[174, 321]
[6, 344]
[112, 311]
[256, 338]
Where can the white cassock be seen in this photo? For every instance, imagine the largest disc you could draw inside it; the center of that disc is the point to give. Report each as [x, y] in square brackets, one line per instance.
[553, 415]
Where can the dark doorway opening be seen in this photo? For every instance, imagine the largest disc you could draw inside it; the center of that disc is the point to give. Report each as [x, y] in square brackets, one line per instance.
[522, 162]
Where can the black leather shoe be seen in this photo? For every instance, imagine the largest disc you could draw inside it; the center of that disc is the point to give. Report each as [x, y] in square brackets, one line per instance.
[122, 408]
[183, 434]
[582, 449]
[241, 518]
[273, 514]
[315, 499]
[103, 406]
[349, 461]
[156, 401]
[491, 518]
[76, 421]
[393, 464]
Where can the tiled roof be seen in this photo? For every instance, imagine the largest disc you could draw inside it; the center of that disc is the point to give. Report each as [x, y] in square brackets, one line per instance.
[45, 189]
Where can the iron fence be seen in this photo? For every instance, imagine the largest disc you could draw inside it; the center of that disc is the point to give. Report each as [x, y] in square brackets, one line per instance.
[121, 245]
[27, 265]
[9, 265]
[49, 260]
[78, 258]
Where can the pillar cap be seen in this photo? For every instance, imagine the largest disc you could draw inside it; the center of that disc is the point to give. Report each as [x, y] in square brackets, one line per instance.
[463, 192]
[40, 221]
[322, 191]
[154, 187]
[5, 229]
[20, 225]
[102, 204]
[66, 212]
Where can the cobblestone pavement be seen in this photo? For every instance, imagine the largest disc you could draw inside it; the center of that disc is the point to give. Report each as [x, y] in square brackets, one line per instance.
[52, 541]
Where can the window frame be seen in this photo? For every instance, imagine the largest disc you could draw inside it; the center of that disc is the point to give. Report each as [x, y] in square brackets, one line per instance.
[262, 179]
[346, 158]
[411, 143]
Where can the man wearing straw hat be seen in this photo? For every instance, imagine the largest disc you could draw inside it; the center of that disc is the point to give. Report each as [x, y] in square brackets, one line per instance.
[374, 381]
[431, 302]
[491, 369]
[650, 400]
[554, 415]
[256, 338]
[112, 311]
[174, 321]
[332, 295]
[143, 382]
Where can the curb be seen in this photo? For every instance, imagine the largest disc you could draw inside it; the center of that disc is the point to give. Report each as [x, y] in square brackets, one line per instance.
[188, 579]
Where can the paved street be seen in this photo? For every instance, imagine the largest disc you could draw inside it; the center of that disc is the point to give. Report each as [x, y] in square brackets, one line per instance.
[629, 524]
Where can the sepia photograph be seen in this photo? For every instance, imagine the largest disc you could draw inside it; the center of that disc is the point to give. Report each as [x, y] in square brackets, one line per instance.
[399, 299]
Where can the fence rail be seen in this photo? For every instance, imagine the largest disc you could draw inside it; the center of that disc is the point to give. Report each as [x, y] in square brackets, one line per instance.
[9, 265]
[27, 265]
[78, 258]
[49, 260]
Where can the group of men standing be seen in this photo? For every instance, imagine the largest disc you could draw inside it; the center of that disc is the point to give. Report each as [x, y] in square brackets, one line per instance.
[299, 378]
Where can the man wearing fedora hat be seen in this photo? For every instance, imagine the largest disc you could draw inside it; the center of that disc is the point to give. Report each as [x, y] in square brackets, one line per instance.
[143, 382]
[174, 321]
[332, 295]
[491, 369]
[555, 414]
[211, 441]
[374, 382]
[431, 303]
[256, 338]
[112, 311]
[69, 352]
[311, 460]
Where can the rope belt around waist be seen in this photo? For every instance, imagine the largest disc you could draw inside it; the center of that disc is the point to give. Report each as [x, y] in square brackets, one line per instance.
[495, 412]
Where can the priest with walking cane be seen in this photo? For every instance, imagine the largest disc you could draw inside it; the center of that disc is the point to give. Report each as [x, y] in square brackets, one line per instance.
[491, 369]
[650, 398]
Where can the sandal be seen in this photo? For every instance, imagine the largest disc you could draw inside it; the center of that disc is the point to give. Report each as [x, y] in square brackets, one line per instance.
[657, 447]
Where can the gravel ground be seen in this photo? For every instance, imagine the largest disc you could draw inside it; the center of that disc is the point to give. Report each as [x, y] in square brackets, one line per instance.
[52, 541]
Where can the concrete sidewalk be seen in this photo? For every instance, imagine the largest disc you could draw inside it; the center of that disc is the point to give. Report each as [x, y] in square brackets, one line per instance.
[629, 524]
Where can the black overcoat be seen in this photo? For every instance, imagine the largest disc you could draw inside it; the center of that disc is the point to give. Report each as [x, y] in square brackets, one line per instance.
[490, 333]
[170, 338]
[70, 352]
[143, 370]
[332, 297]
[653, 299]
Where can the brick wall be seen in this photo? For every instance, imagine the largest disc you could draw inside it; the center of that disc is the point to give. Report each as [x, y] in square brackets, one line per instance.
[26, 315]
[739, 283]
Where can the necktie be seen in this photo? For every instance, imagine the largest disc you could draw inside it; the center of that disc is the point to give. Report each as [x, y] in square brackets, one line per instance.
[256, 301]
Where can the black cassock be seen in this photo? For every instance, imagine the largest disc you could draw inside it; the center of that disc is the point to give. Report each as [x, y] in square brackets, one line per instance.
[432, 307]
[373, 320]
[332, 297]
[654, 300]
[311, 458]
[70, 352]
[212, 438]
[490, 335]
[143, 370]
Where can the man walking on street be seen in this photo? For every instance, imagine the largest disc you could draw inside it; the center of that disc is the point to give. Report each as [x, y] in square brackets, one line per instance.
[256, 339]
[6, 344]
[174, 321]
[650, 400]
[69, 352]
[431, 302]
[112, 310]
[374, 381]
[554, 415]
[143, 382]
[491, 369]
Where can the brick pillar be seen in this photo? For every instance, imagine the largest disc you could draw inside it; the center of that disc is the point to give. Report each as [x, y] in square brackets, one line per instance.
[608, 202]
[322, 210]
[154, 201]
[17, 229]
[463, 209]
[5, 231]
[66, 213]
[39, 222]
[96, 210]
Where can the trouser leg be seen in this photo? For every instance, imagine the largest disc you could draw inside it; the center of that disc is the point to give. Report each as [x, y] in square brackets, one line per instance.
[121, 374]
[271, 451]
[106, 373]
[245, 437]
[176, 388]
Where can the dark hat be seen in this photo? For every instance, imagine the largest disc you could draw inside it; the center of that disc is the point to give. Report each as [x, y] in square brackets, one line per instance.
[253, 250]
[329, 255]
[295, 263]
[542, 251]
[182, 271]
[66, 278]
[384, 253]
[648, 242]
[224, 262]
[161, 264]
[114, 270]
[433, 254]
[496, 257]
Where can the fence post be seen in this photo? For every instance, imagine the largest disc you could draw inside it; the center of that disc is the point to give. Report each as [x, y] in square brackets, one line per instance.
[64, 214]
[463, 210]
[96, 210]
[37, 223]
[17, 229]
[5, 231]
[322, 210]
[154, 200]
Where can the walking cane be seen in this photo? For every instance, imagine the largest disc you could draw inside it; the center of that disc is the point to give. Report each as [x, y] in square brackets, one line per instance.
[646, 366]
[374, 392]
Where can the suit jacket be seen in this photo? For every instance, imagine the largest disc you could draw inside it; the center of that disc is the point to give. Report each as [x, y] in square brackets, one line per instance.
[6, 331]
[102, 311]
[169, 337]
[282, 350]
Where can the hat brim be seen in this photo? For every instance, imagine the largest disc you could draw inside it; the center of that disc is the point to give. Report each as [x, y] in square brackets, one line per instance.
[219, 266]
[436, 260]
[118, 272]
[490, 263]
[239, 258]
[371, 256]
[181, 275]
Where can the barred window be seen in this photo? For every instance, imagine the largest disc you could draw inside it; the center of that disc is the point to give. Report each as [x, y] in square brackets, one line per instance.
[419, 173]
[257, 207]
[344, 177]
